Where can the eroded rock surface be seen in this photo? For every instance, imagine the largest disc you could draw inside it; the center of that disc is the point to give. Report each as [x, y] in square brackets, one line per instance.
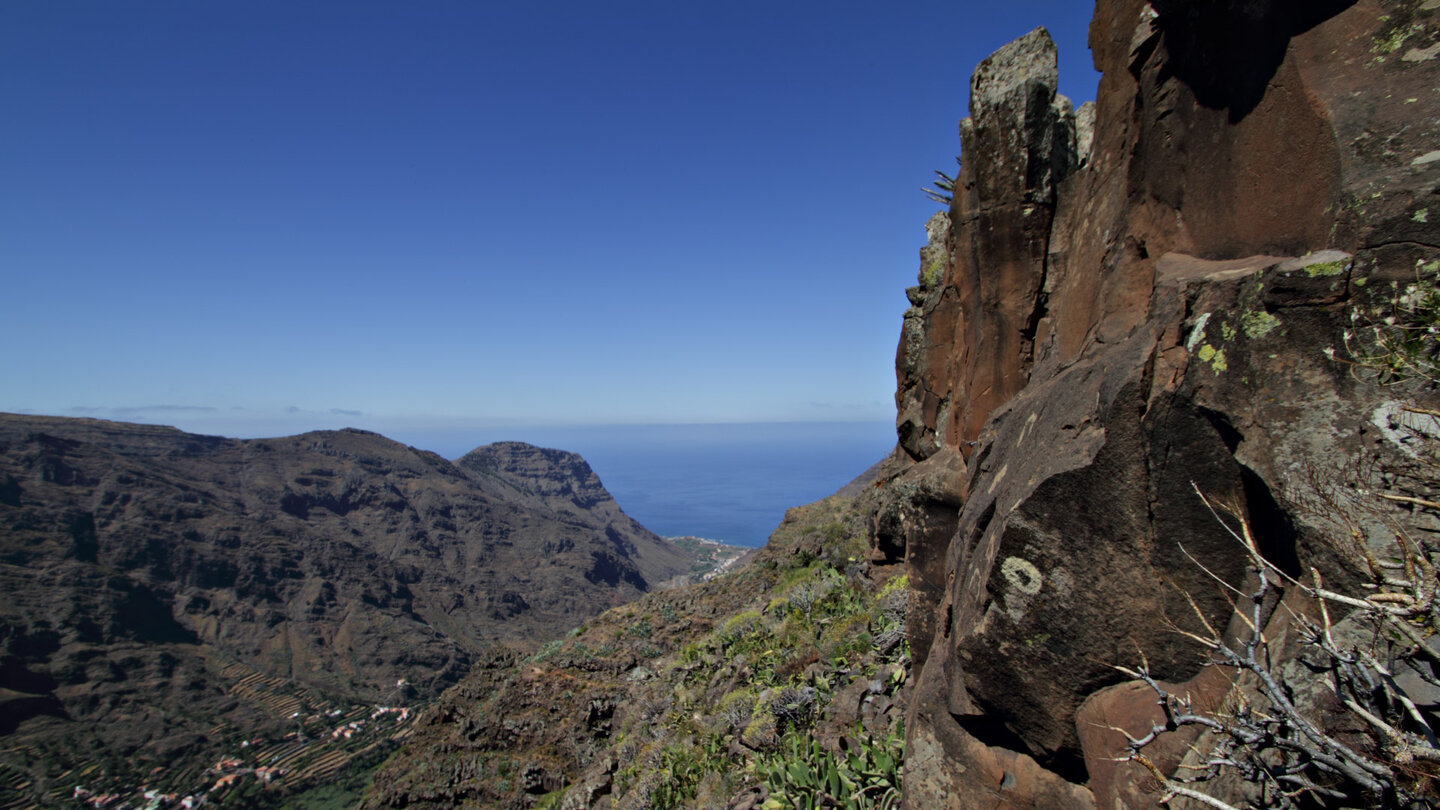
[1121, 317]
[1022, 134]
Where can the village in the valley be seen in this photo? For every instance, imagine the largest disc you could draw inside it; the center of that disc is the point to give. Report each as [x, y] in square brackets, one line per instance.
[321, 740]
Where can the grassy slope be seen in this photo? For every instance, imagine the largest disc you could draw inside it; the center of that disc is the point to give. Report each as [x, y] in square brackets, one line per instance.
[779, 682]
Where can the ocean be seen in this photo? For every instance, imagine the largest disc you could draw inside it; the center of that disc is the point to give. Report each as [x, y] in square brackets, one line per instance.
[726, 482]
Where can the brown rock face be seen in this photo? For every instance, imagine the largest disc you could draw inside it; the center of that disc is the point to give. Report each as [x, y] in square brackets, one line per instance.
[1024, 134]
[1117, 326]
[995, 244]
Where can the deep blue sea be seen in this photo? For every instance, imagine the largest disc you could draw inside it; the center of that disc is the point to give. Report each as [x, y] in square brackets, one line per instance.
[727, 482]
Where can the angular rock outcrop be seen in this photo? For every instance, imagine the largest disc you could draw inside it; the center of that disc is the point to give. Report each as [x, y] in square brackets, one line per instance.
[1117, 325]
[563, 484]
[1023, 136]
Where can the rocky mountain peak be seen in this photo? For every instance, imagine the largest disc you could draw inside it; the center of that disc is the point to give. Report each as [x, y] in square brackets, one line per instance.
[1020, 130]
[544, 472]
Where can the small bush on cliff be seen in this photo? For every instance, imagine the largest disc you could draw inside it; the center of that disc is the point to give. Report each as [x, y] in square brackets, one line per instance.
[1398, 338]
[944, 191]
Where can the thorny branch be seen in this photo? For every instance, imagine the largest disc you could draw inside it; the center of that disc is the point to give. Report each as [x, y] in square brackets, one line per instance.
[1273, 745]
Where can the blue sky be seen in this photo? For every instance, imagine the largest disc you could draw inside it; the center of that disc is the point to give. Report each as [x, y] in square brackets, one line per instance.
[266, 217]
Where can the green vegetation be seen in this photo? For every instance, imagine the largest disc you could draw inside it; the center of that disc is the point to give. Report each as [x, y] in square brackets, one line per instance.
[864, 773]
[944, 191]
[1322, 269]
[1397, 337]
[548, 650]
[930, 276]
[673, 776]
[692, 695]
[783, 665]
[342, 794]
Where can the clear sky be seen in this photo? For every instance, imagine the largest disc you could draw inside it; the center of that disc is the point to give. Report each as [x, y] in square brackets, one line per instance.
[269, 216]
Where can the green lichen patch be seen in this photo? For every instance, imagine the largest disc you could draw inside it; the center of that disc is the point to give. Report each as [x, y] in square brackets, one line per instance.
[1321, 269]
[1215, 357]
[930, 276]
[1421, 216]
[1258, 324]
[1395, 37]
[1039, 640]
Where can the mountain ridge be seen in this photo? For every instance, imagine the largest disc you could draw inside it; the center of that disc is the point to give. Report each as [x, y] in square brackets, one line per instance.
[142, 560]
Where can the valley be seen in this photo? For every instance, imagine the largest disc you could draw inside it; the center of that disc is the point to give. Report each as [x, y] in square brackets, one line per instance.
[171, 596]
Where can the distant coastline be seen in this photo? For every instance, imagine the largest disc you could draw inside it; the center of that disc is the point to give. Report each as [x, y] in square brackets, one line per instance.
[729, 483]
[726, 481]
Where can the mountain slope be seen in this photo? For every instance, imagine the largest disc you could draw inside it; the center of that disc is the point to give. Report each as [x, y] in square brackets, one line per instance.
[564, 484]
[141, 565]
[704, 695]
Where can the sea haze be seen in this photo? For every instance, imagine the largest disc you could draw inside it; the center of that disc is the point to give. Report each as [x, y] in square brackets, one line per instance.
[727, 482]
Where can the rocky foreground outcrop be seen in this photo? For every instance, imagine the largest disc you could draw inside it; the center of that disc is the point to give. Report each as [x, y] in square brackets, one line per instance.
[1111, 320]
[162, 590]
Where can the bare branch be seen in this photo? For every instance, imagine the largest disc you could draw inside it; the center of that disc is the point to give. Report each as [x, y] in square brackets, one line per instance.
[1408, 499]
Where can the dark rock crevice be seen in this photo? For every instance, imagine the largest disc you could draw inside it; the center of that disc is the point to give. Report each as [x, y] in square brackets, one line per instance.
[1271, 523]
[1227, 52]
[989, 728]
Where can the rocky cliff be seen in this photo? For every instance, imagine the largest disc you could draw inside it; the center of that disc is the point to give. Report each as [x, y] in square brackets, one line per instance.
[167, 596]
[1123, 307]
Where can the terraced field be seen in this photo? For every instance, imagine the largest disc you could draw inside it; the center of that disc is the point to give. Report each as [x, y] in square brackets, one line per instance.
[312, 739]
